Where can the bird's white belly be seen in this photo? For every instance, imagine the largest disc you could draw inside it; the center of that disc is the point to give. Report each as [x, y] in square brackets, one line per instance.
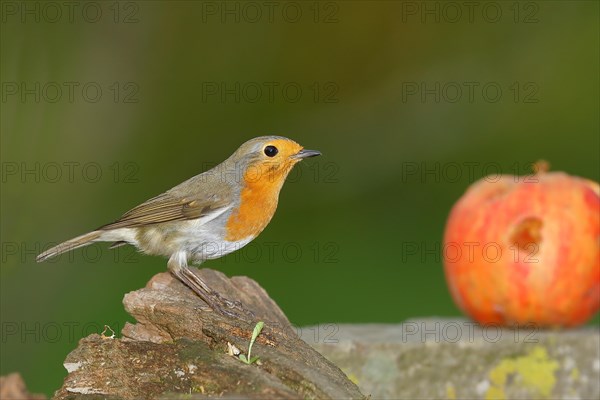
[200, 239]
[215, 249]
[205, 241]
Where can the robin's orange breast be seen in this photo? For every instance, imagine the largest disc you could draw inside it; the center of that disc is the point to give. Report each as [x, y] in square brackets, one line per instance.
[258, 202]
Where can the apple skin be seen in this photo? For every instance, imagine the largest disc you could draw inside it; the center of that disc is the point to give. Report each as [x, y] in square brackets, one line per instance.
[526, 250]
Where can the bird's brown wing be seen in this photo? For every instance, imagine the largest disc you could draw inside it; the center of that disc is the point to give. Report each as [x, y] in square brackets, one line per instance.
[165, 208]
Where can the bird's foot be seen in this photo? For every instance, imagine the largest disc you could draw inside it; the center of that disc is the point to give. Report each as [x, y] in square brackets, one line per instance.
[220, 304]
[229, 308]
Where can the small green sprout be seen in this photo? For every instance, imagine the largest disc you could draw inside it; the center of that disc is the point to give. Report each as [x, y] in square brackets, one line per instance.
[257, 329]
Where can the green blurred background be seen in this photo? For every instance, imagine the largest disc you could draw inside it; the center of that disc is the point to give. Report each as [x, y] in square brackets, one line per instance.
[347, 79]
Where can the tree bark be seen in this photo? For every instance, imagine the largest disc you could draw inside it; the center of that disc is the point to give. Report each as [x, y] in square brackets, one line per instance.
[179, 346]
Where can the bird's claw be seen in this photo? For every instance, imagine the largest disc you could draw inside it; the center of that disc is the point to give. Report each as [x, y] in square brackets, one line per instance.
[232, 309]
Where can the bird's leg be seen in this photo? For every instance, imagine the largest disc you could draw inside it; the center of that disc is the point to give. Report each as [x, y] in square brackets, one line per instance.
[179, 268]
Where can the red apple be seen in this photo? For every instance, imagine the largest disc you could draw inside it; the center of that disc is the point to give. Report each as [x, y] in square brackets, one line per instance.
[526, 250]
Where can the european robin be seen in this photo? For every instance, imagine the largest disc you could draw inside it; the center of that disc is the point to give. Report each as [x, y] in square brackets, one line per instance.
[207, 216]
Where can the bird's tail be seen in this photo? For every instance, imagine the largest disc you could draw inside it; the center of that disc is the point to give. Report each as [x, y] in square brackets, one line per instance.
[69, 245]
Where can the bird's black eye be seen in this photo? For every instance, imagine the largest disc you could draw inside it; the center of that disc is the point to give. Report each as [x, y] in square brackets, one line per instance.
[271, 151]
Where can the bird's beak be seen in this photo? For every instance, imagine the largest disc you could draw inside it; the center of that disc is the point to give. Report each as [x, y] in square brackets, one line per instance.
[307, 153]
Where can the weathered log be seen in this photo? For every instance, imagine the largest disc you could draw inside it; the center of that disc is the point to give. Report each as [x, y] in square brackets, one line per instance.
[180, 346]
